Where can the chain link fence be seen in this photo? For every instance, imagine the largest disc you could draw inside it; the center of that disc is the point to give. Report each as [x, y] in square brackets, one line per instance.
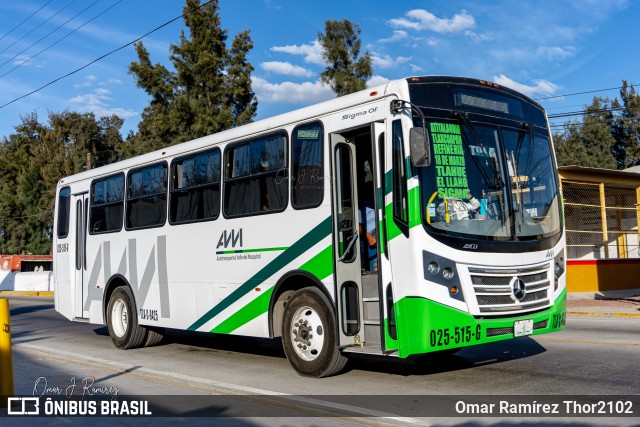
[601, 220]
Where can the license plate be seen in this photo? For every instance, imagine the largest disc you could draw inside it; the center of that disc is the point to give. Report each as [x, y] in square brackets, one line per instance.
[523, 327]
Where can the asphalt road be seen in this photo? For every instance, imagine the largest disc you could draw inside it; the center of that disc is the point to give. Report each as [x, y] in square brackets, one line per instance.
[593, 356]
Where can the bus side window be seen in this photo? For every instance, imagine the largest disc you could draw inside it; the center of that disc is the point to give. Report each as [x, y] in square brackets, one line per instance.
[107, 198]
[399, 182]
[64, 208]
[147, 197]
[195, 188]
[307, 183]
[256, 180]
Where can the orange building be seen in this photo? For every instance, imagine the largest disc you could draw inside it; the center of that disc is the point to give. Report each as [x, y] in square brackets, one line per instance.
[601, 218]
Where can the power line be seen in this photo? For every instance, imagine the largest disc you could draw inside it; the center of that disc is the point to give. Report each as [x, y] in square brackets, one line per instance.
[563, 106]
[584, 112]
[25, 20]
[35, 28]
[582, 93]
[102, 57]
[51, 32]
[59, 40]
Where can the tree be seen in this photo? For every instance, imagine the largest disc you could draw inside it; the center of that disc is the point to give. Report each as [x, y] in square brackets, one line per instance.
[588, 143]
[570, 149]
[209, 91]
[347, 71]
[20, 217]
[33, 159]
[626, 127]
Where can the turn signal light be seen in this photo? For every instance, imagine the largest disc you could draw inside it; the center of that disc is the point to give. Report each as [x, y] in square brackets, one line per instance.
[485, 83]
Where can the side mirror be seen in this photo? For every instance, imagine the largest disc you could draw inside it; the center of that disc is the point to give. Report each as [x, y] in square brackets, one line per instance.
[420, 148]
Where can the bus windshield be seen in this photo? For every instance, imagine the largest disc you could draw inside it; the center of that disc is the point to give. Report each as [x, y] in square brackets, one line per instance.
[491, 175]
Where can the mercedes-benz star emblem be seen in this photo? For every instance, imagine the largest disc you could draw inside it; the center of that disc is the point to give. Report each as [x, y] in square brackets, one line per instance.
[519, 290]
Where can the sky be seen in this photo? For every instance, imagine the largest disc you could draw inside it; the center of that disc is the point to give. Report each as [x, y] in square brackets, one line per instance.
[547, 49]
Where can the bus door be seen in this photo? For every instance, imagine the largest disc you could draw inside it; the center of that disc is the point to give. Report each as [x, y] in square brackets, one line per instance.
[376, 302]
[62, 259]
[396, 222]
[78, 249]
[346, 242]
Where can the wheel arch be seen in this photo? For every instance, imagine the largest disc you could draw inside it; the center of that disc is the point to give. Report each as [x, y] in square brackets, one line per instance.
[291, 282]
[116, 281]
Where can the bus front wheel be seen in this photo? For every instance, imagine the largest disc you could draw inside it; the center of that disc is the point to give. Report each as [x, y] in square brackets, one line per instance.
[309, 335]
[122, 320]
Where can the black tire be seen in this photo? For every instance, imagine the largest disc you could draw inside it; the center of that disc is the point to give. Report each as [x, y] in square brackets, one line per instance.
[122, 320]
[311, 357]
[154, 336]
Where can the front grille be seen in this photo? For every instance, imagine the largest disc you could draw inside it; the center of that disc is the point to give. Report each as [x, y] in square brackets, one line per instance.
[506, 299]
[490, 280]
[492, 332]
[494, 289]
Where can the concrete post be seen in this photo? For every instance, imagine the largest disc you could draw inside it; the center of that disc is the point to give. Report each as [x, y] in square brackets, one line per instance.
[6, 364]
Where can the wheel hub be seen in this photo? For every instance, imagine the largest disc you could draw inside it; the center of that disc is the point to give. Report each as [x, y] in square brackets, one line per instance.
[119, 314]
[307, 333]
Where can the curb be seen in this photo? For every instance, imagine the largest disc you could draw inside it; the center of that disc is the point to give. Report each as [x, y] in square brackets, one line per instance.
[602, 314]
[26, 293]
[569, 313]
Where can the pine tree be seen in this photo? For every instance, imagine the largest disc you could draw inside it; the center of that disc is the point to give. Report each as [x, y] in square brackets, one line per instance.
[588, 143]
[570, 150]
[626, 127]
[347, 71]
[209, 91]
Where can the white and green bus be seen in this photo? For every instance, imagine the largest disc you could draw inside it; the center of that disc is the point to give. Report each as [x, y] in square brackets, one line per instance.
[418, 216]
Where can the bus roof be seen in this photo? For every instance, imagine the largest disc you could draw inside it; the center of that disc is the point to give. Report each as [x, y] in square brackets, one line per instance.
[241, 132]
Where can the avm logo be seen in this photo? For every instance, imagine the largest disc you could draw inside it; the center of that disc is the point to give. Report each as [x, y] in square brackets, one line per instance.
[230, 238]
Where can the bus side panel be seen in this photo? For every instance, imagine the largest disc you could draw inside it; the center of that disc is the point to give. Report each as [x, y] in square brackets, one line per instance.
[231, 285]
[214, 276]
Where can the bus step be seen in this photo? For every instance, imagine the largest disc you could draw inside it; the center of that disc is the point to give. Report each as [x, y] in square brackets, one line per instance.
[369, 349]
[370, 286]
[371, 309]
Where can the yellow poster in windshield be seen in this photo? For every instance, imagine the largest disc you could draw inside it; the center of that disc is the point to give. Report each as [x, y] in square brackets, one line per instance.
[451, 173]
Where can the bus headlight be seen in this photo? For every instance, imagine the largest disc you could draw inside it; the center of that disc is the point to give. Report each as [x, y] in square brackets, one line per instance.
[448, 273]
[433, 268]
[438, 270]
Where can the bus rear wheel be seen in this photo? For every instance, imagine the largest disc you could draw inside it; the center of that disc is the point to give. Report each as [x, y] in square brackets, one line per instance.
[309, 335]
[122, 320]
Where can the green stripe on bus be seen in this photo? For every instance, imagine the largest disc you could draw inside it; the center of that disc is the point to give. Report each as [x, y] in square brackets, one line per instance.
[310, 239]
[247, 251]
[320, 266]
[246, 314]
